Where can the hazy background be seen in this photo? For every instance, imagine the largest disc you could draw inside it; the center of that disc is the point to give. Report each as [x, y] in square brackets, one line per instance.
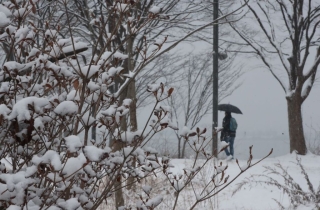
[264, 123]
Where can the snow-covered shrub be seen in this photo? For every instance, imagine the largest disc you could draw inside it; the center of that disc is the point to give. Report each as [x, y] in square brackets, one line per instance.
[47, 93]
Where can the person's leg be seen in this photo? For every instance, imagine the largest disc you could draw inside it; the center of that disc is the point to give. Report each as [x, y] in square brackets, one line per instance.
[231, 143]
[226, 139]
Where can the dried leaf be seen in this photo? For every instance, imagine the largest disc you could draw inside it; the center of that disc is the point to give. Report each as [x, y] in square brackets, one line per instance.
[192, 134]
[164, 125]
[49, 86]
[204, 131]
[170, 91]
[76, 84]
[226, 179]
[222, 176]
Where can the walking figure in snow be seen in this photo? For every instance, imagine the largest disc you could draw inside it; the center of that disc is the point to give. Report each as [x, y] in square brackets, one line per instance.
[228, 133]
[229, 127]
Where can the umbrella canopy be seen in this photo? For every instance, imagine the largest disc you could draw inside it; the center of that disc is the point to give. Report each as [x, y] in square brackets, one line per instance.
[229, 108]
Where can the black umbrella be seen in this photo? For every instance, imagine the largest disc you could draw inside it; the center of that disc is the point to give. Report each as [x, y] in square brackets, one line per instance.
[229, 108]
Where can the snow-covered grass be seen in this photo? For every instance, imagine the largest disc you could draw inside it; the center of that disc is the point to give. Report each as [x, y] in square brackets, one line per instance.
[262, 196]
[250, 197]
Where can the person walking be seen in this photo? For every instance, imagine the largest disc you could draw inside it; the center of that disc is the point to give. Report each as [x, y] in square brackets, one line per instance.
[228, 133]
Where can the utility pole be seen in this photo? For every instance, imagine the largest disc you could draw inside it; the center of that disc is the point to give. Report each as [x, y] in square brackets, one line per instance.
[215, 78]
[215, 87]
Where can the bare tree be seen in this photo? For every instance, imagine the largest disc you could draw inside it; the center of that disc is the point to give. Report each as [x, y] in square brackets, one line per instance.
[166, 17]
[284, 40]
[155, 20]
[194, 99]
[165, 68]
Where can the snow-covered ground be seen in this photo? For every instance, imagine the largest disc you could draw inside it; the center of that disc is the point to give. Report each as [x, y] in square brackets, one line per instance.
[258, 196]
[249, 197]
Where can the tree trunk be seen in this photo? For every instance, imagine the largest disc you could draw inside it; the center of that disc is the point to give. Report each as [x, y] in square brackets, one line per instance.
[183, 149]
[119, 194]
[117, 146]
[179, 147]
[133, 125]
[297, 140]
[131, 93]
[119, 200]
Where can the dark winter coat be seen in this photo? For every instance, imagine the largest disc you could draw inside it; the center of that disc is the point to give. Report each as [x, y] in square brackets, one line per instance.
[226, 128]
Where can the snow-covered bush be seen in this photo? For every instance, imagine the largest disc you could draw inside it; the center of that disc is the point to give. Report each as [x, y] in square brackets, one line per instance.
[47, 95]
[56, 89]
